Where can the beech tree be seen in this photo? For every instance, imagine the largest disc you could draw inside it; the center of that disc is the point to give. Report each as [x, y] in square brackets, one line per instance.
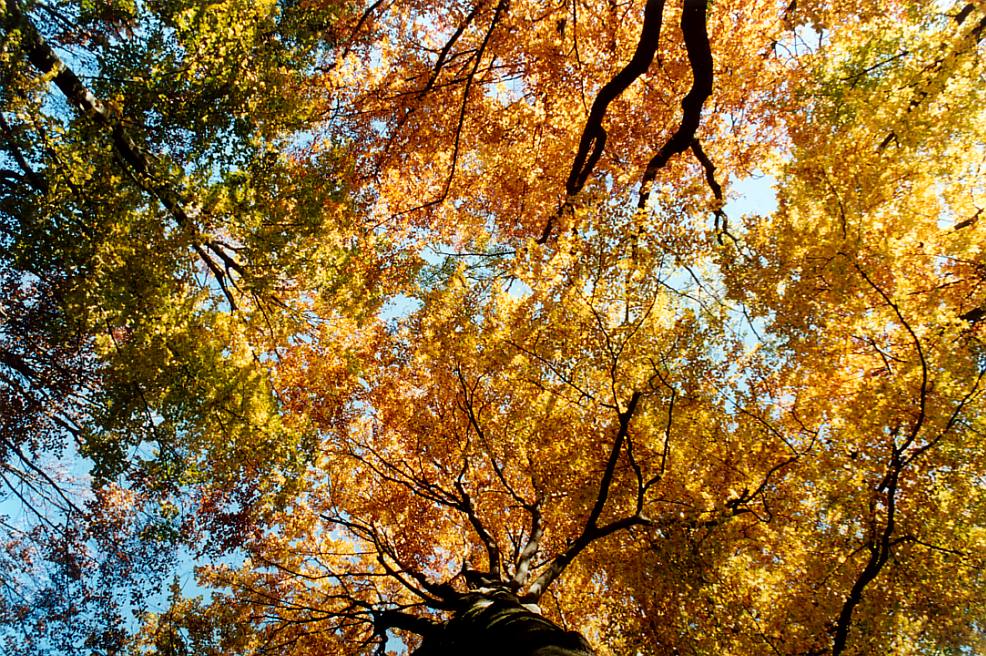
[429, 328]
[146, 271]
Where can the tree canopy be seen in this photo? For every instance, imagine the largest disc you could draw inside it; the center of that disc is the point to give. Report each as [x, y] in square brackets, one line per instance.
[425, 327]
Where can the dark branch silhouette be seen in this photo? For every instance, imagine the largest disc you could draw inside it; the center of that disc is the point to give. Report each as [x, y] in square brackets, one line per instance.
[592, 531]
[593, 139]
[722, 223]
[693, 28]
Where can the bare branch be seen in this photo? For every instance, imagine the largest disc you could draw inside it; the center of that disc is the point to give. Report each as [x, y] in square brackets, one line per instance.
[443, 55]
[952, 420]
[592, 531]
[469, 407]
[693, 27]
[594, 135]
[500, 8]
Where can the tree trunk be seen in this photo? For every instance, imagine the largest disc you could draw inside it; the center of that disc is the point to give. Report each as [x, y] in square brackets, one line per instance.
[497, 624]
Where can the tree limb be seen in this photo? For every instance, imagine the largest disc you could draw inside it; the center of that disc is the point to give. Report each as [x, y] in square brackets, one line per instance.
[592, 531]
[594, 135]
[722, 223]
[693, 27]
[593, 139]
[395, 619]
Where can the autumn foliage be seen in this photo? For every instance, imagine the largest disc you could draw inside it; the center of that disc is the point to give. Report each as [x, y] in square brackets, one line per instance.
[420, 327]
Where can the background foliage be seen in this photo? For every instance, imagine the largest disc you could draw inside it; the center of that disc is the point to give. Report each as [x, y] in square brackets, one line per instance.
[359, 307]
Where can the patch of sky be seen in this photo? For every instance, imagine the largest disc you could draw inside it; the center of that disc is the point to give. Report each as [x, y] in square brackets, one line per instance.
[379, 126]
[399, 307]
[803, 40]
[755, 194]
[507, 89]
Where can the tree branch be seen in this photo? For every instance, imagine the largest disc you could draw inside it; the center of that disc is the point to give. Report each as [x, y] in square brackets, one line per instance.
[395, 619]
[500, 8]
[593, 139]
[443, 55]
[693, 27]
[722, 222]
[592, 531]
[879, 554]
[594, 135]
[530, 550]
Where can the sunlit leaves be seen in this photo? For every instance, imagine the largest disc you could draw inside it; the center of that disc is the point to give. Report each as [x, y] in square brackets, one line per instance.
[335, 319]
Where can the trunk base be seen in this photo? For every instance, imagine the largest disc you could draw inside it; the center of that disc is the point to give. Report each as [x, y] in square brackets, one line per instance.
[497, 624]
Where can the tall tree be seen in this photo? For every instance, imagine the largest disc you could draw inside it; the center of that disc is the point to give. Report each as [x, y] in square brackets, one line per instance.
[610, 404]
[156, 205]
[583, 410]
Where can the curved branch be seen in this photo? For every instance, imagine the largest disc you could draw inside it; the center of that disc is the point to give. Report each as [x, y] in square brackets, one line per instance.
[722, 221]
[593, 139]
[937, 72]
[610, 471]
[880, 549]
[693, 28]
[594, 135]
[924, 387]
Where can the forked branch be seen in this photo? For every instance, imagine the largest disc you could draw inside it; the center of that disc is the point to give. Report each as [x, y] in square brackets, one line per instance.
[594, 135]
[693, 28]
[592, 531]
[593, 139]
